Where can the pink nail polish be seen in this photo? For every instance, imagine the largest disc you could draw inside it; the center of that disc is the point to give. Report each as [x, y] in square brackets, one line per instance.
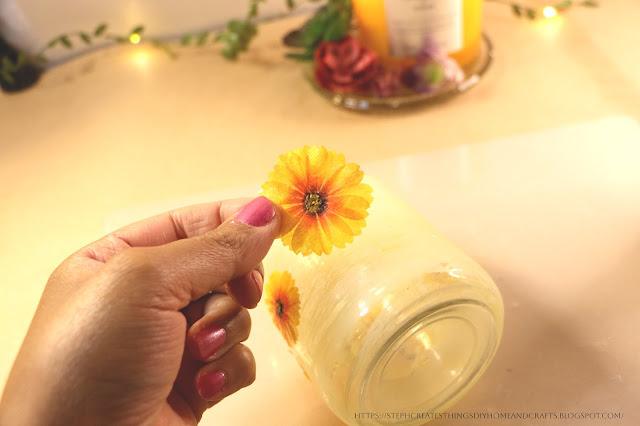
[210, 340]
[258, 280]
[258, 212]
[210, 384]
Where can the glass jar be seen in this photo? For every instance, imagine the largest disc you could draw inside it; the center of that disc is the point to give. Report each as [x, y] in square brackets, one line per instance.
[396, 29]
[400, 321]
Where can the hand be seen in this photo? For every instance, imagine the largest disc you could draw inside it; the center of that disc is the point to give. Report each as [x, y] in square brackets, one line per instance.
[127, 331]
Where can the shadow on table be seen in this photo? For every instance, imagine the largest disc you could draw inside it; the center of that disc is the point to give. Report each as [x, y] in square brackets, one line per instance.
[540, 366]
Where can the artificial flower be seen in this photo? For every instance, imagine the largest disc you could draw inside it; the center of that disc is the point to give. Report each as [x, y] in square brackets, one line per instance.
[344, 65]
[322, 200]
[432, 69]
[283, 302]
[385, 82]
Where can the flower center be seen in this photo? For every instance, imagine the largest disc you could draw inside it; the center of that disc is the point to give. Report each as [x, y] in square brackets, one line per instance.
[314, 203]
[279, 308]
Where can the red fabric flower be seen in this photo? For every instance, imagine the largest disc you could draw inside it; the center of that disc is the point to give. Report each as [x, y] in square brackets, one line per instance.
[344, 65]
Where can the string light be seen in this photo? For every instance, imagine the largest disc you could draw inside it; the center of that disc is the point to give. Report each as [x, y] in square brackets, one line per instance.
[135, 38]
[549, 12]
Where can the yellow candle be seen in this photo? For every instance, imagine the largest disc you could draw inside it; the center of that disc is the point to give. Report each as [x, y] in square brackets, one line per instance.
[396, 28]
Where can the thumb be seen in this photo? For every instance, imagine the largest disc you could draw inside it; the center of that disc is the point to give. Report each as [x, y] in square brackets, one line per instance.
[173, 275]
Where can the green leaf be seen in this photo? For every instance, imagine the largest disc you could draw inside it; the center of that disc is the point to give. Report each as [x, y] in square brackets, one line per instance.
[564, 5]
[293, 39]
[53, 42]
[202, 38]
[41, 59]
[253, 11]
[336, 30]
[589, 3]
[312, 33]
[531, 14]
[306, 56]
[168, 51]
[236, 26]
[291, 4]
[229, 52]
[65, 41]
[252, 29]
[100, 29]
[21, 59]
[7, 65]
[85, 37]
[165, 47]
[233, 39]
[138, 30]
[6, 75]
[516, 9]
[186, 39]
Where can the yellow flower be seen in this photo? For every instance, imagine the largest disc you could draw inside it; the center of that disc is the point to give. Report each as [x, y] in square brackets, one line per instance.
[323, 201]
[283, 302]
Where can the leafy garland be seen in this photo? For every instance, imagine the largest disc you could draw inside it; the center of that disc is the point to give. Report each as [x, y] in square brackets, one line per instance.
[329, 23]
[9, 67]
[521, 10]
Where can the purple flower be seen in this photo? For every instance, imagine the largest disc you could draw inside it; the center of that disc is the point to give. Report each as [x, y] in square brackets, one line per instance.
[433, 69]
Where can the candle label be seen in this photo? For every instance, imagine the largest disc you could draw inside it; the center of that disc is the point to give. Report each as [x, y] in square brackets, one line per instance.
[411, 22]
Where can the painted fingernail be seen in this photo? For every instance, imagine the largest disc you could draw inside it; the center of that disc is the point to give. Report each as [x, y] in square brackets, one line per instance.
[258, 212]
[210, 384]
[258, 280]
[210, 340]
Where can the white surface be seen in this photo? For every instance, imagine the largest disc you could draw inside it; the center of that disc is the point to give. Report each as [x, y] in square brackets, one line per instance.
[554, 217]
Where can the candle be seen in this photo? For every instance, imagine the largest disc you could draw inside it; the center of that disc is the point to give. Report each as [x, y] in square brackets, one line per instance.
[398, 321]
[396, 29]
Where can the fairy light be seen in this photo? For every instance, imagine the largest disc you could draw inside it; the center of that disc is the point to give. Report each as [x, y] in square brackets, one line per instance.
[135, 38]
[549, 12]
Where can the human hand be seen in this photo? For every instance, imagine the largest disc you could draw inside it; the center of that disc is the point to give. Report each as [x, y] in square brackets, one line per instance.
[127, 331]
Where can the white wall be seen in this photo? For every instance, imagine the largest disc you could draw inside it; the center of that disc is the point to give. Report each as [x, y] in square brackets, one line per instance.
[45, 19]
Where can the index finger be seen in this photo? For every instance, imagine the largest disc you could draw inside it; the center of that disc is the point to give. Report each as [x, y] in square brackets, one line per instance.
[185, 222]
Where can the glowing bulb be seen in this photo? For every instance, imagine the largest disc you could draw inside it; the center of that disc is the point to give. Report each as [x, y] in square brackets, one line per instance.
[549, 12]
[134, 38]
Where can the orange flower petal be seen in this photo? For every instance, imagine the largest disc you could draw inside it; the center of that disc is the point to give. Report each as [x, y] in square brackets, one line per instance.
[281, 193]
[317, 157]
[283, 174]
[325, 235]
[348, 175]
[291, 217]
[297, 166]
[313, 179]
[353, 214]
[361, 190]
[352, 202]
[341, 233]
[281, 293]
[306, 237]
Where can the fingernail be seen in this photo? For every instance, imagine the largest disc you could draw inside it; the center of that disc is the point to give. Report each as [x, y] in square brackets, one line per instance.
[258, 212]
[210, 384]
[258, 280]
[210, 340]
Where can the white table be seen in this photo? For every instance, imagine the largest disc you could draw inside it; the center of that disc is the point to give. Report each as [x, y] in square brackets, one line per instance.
[554, 217]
